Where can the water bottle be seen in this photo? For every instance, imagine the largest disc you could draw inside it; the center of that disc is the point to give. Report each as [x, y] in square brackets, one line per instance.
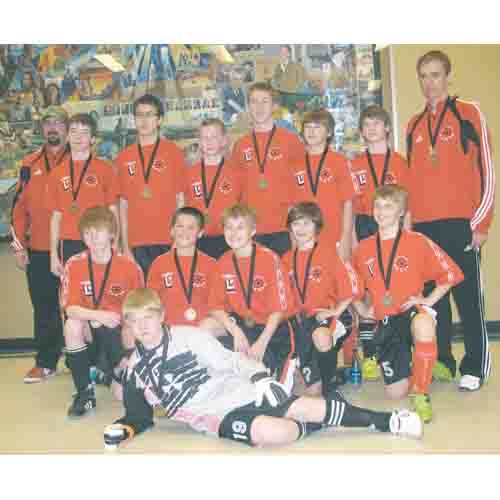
[355, 369]
[93, 375]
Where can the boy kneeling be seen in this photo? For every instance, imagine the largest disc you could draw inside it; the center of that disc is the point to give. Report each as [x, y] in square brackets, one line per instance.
[223, 393]
[95, 283]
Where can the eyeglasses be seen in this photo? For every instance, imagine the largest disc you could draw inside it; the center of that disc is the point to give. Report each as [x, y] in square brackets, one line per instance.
[147, 115]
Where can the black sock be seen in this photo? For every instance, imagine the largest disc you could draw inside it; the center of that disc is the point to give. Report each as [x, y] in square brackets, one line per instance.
[93, 352]
[78, 362]
[327, 362]
[340, 413]
[306, 428]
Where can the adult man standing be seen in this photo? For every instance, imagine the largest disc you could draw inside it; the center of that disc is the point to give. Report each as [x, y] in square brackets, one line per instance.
[31, 241]
[453, 178]
[150, 177]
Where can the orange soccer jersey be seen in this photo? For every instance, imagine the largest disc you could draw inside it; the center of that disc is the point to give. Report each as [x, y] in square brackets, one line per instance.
[269, 193]
[30, 214]
[458, 180]
[334, 187]
[270, 292]
[417, 260]
[124, 276]
[165, 279]
[329, 282]
[397, 173]
[226, 191]
[149, 216]
[98, 187]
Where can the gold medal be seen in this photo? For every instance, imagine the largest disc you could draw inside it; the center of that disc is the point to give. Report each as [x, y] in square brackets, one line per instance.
[147, 194]
[74, 207]
[387, 299]
[190, 314]
[263, 184]
[249, 321]
[434, 155]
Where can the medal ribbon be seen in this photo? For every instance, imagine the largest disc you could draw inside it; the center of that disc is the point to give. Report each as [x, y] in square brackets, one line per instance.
[372, 167]
[247, 294]
[147, 172]
[262, 165]
[302, 290]
[315, 183]
[188, 290]
[97, 300]
[208, 195]
[74, 193]
[433, 137]
[387, 278]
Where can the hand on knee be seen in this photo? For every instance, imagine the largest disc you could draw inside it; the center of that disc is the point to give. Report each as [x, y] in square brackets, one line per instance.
[423, 327]
[322, 339]
[74, 335]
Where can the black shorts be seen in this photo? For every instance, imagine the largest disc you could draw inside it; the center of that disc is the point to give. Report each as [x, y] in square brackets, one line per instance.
[146, 254]
[214, 246]
[280, 350]
[365, 226]
[393, 344]
[278, 242]
[68, 248]
[237, 423]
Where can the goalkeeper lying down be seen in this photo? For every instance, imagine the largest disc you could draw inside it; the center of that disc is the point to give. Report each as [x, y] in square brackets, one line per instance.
[195, 380]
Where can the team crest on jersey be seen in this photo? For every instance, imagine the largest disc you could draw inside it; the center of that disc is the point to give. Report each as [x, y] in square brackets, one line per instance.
[248, 154]
[197, 189]
[131, 167]
[168, 279]
[116, 290]
[401, 264]
[361, 177]
[159, 165]
[300, 178]
[229, 283]
[66, 182]
[225, 186]
[91, 180]
[259, 283]
[199, 280]
[86, 288]
[315, 274]
[370, 263]
[275, 154]
[326, 175]
[419, 139]
[390, 178]
[447, 134]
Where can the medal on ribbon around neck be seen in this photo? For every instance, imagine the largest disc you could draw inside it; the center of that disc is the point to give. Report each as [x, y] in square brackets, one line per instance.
[147, 194]
[434, 155]
[74, 207]
[263, 184]
[387, 299]
[190, 314]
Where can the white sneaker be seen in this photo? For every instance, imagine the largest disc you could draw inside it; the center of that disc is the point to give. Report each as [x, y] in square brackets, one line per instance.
[338, 331]
[406, 423]
[469, 383]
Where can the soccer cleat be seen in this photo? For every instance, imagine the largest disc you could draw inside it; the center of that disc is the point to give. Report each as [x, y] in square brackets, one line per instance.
[369, 369]
[469, 383]
[406, 423]
[37, 374]
[83, 402]
[441, 373]
[422, 405]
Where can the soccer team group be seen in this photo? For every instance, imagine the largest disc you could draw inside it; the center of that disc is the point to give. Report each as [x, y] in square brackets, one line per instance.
[208, 290]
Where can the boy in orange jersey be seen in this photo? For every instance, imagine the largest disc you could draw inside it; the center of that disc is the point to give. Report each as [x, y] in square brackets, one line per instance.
[376, 167]
[453, 190]
[322, 176]
[394, 265]
[80, 182]
[249, 297]
[212, 184]
[266, 155]
[95, 284]
[324, 286]
[182, 276]
[31, 241]
[150, 177]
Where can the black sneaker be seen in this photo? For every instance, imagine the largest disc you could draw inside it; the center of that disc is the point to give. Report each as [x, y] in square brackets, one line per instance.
[83, 402]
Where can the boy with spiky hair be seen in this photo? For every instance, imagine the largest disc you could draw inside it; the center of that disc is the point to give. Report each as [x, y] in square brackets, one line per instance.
[194, 380]
[94, 286]
[324, 286]
[394, 265]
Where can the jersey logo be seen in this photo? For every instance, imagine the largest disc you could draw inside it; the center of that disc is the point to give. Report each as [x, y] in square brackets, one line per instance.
[37, 172]
[247, 154]
[390, 178]
[447, 134]
[225, 186]
[159, 165]
[326, 175]
[131, 167]
[66, 182]
[419, 139]
[91, 180]
[116, 290]
[230, 284]
[259, 283]
[199, 280]
[315, 274]
[197, 189]
[300, 178]
[361, 178]
[168, 279]
[86, 288]
[370, 263]
[275, 154]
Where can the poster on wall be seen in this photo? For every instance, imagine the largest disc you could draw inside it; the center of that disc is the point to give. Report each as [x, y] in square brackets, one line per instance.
[194, 82]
